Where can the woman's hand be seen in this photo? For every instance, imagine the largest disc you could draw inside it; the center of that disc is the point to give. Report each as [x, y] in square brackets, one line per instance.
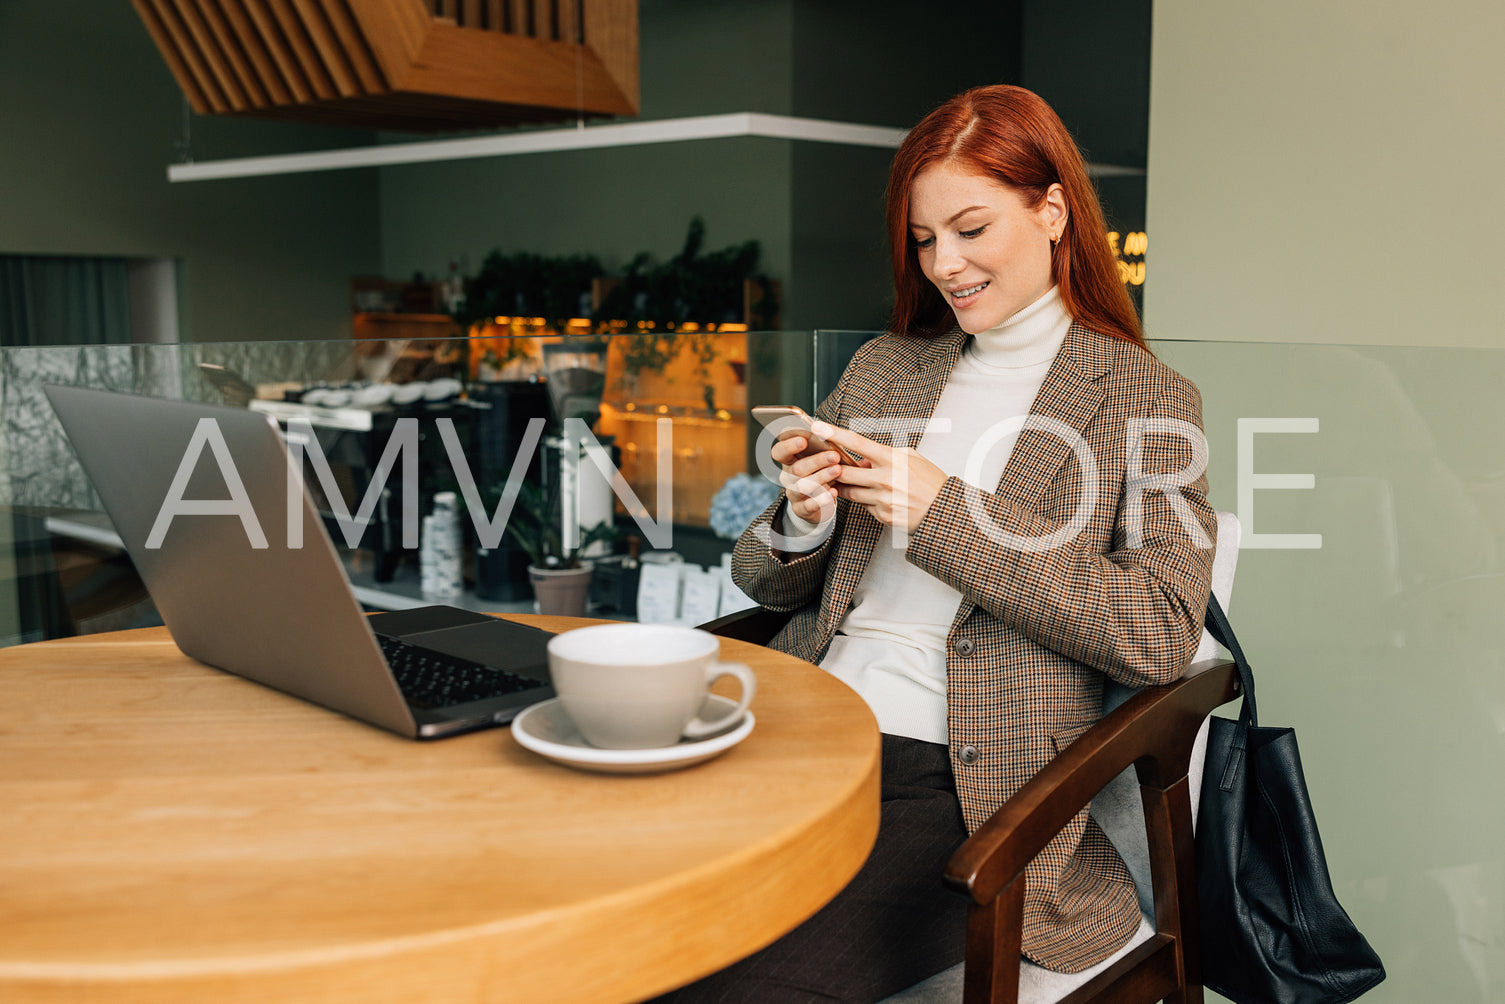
[896, 486]
[807, 479]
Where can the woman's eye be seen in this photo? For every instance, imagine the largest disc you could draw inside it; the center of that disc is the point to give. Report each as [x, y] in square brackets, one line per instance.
[969, 234]
[922, 242]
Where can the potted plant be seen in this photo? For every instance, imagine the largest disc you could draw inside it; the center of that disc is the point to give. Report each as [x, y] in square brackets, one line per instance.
[529, 285]
[692, 289]
[560, 577]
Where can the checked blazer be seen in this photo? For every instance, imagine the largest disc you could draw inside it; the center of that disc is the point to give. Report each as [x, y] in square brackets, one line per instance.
[1061, 586]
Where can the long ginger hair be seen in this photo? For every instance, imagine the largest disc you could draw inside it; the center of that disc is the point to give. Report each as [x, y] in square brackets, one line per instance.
[1012, 136]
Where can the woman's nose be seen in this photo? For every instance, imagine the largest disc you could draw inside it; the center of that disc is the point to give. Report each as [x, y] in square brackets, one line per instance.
[947, 263]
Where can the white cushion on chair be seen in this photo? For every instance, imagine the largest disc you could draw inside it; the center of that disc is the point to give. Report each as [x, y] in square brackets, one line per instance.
[1036, 985]
[1119, 810]
[1224, 564]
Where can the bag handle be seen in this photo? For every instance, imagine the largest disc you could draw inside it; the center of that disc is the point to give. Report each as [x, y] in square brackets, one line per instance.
[1222, 633]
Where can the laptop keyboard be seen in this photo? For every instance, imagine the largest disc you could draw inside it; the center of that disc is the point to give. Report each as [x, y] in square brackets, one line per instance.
[430, 679]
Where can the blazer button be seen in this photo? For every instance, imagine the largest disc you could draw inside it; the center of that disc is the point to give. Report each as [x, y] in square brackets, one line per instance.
[964, 646]
[969, 755]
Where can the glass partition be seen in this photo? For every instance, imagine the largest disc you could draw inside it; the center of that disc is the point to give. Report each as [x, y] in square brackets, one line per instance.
[1370, 598]
[682, 395]
[1371, 487]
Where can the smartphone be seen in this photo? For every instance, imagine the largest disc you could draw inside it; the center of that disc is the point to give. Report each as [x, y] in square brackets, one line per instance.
[793, 421]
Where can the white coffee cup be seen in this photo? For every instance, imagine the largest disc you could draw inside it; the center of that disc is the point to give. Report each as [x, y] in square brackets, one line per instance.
[642, 686]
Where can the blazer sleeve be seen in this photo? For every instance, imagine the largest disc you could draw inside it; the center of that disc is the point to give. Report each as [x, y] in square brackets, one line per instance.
[781, 581]
[1134, 611]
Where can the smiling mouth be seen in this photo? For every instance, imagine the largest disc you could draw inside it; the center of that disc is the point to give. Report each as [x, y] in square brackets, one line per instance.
[962, 294]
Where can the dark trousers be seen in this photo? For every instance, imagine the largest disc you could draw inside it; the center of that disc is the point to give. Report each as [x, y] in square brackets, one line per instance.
[892, 926]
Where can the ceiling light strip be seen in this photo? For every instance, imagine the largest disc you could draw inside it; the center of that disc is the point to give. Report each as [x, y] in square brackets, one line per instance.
[557, 140]
[546, 141]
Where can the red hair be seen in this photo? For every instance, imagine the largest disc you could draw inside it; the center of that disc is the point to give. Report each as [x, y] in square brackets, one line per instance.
[1012, 136]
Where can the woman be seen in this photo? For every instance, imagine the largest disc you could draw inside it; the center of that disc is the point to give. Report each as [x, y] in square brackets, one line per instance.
[974, 582]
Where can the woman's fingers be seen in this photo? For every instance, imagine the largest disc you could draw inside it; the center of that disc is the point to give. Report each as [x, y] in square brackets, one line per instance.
[863, 477]
[814, 507]
[789, 454]
[806, 466]
[786, 451]
[806, 479]
[898, 487]
[812, 482]
[868, 449]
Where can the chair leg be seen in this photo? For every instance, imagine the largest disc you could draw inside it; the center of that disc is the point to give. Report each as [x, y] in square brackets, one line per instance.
[1167, 816]
[994, 935]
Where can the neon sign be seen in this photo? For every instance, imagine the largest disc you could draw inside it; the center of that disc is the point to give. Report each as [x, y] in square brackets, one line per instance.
[1134, 245]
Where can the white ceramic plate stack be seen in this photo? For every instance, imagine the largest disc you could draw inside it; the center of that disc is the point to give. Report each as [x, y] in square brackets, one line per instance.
[407, 393]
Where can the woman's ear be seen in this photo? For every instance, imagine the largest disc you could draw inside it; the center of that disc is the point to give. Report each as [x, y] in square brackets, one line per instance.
[1053, 210]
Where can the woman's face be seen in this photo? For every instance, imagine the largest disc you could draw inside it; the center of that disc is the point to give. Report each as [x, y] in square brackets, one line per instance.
[985, 250]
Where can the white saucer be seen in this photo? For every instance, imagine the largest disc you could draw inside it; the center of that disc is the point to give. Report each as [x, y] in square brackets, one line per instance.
[547, 730]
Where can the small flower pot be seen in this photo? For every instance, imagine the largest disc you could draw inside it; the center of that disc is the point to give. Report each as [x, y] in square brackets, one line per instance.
[561, 591]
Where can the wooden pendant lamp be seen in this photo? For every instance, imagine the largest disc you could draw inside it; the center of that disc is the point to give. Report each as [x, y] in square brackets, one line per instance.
[420, 65]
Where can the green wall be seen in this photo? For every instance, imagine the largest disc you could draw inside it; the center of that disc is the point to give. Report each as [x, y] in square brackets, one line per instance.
[611, 203]
[879, 63]
[1091, 60]
[1324, 204]
[88, 123]
[816, 208]
[698, 57]
[1328, 172]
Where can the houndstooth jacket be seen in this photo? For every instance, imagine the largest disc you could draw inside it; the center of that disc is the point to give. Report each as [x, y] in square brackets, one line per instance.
[1039, 627]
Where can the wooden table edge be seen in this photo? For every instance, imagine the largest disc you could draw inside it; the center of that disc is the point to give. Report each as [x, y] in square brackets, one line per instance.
[386, 969]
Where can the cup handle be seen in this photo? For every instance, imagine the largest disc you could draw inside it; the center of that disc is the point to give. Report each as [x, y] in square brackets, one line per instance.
[699, 728]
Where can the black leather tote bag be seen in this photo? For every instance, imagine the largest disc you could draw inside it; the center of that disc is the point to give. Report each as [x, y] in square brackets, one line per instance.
[1272, 930]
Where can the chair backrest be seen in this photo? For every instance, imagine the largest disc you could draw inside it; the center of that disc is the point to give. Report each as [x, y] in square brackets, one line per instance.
[1117, 808]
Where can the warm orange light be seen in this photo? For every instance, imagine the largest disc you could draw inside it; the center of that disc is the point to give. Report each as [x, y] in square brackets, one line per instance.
[1131, 272]
[1134, 243]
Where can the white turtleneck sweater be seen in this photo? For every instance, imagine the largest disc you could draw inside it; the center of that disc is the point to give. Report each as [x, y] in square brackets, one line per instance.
[891, 646]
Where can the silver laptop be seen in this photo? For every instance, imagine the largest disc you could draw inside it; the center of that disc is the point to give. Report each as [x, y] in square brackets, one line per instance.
[248, 603]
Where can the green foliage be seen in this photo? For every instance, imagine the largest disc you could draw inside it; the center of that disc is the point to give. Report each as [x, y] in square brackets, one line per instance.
[534, 525]
[691, 286]
[705, 288]
[530, 285]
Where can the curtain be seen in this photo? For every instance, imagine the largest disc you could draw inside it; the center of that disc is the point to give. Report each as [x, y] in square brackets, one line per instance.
[58, 300]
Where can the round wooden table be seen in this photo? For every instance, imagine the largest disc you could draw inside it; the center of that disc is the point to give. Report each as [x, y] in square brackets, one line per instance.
[175, 833]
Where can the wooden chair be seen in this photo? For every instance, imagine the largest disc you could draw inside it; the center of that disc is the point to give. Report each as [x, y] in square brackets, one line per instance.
[1159, 732]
